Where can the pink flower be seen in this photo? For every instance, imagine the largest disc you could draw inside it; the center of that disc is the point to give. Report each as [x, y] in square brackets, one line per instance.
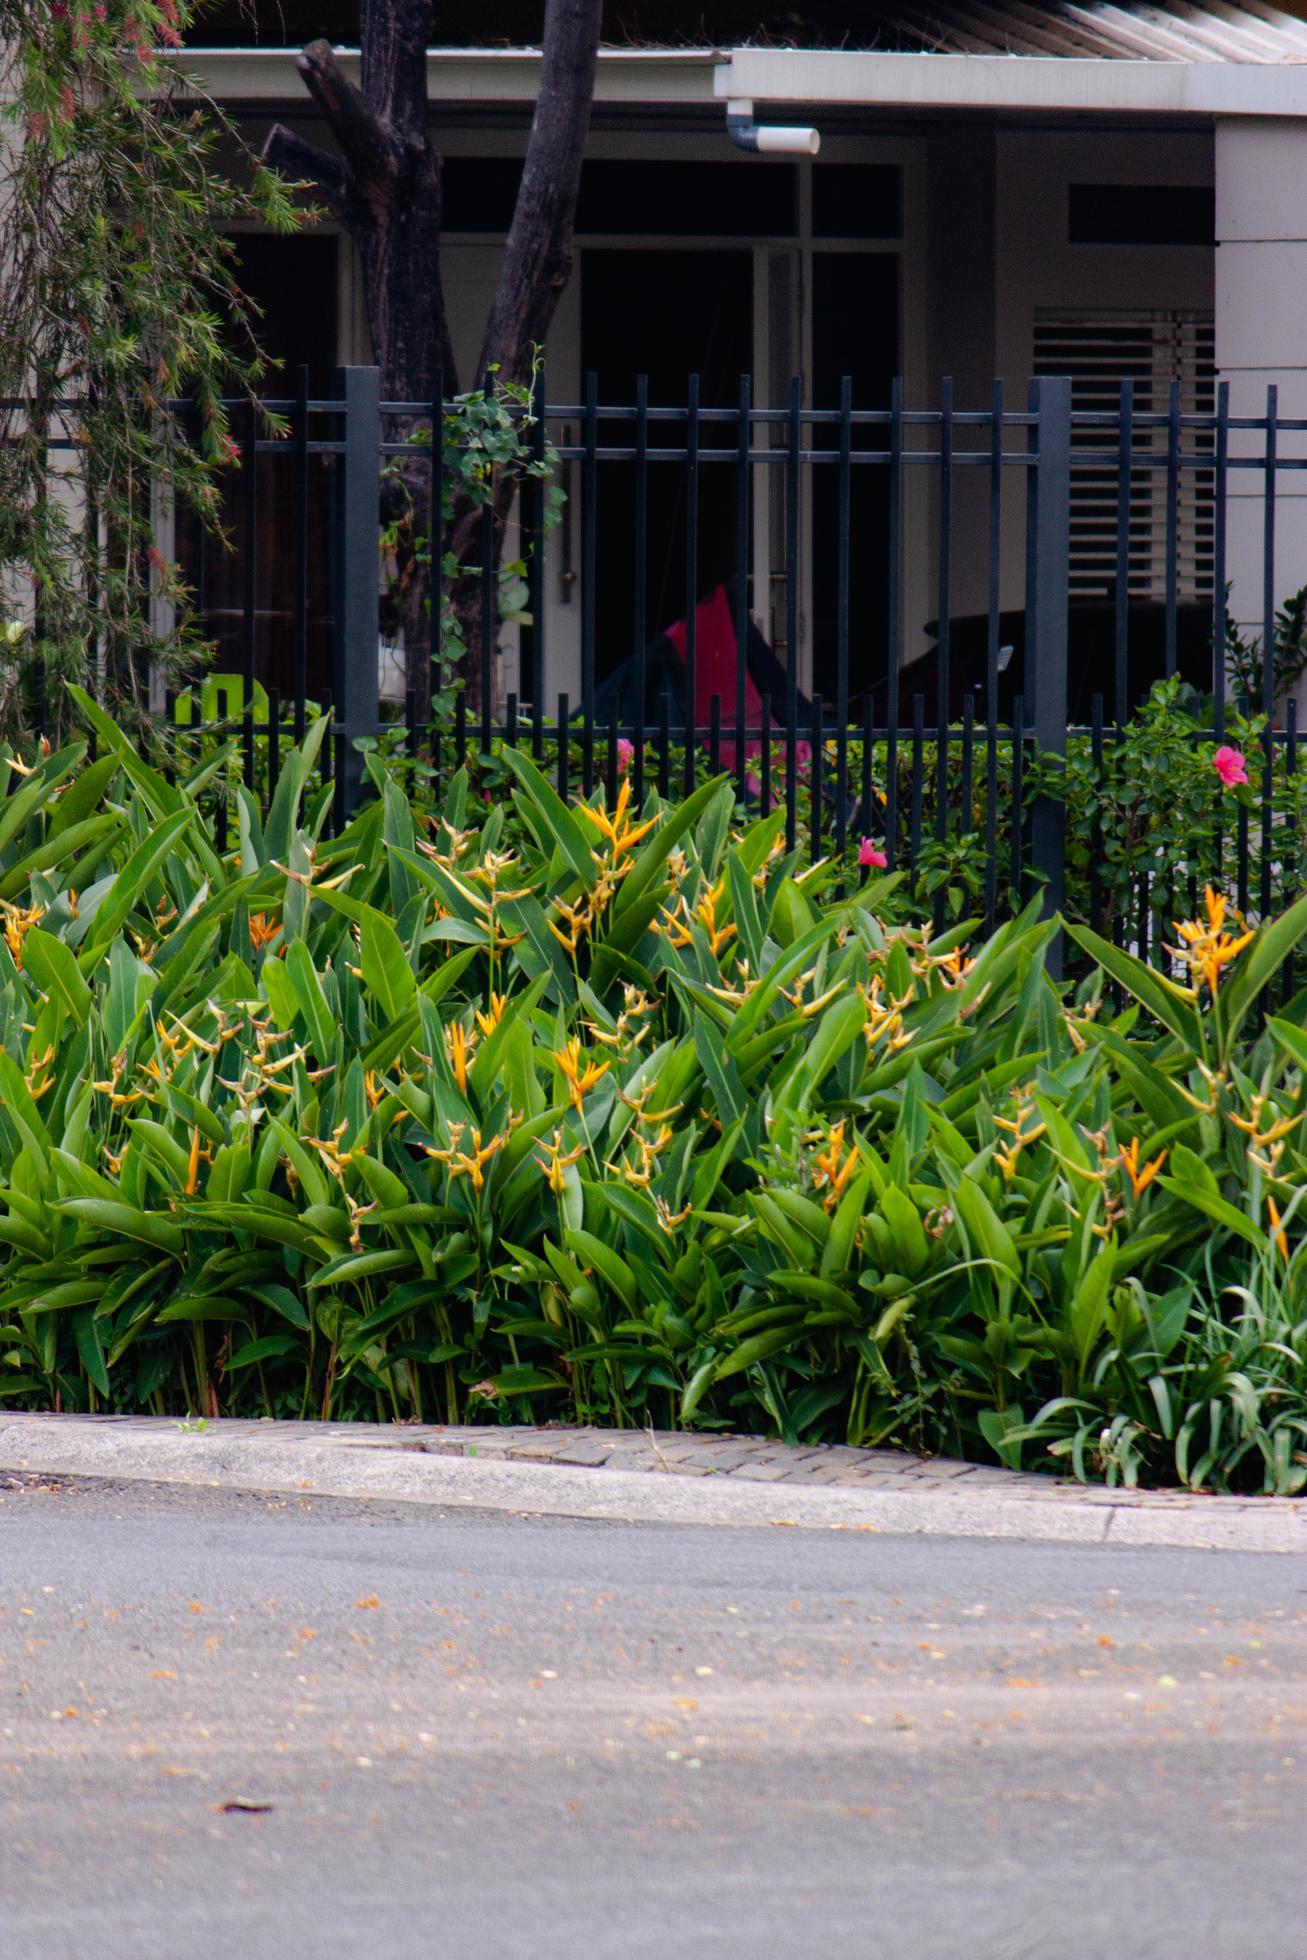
[868, 855]
[625, 754]
[1230, 766]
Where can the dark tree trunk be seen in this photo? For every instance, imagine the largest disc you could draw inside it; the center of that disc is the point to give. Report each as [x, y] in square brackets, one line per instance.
[385, 188]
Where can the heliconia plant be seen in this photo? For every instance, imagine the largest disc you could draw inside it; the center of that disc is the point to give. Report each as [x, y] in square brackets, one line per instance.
[626, 1115]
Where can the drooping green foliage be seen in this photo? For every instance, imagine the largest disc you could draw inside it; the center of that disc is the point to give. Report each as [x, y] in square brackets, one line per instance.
[116, 295]
[629, 1118]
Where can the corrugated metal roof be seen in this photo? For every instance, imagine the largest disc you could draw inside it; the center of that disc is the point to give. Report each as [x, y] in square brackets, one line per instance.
[1097, 30]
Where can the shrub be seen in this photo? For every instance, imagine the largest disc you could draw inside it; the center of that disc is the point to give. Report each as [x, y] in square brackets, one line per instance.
[639, 1120]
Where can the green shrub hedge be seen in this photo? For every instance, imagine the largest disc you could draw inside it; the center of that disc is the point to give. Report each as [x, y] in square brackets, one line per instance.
[637, 1120]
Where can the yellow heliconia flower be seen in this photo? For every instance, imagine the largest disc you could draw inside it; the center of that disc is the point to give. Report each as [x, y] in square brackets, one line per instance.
[622, 835]
[830, 1171]
[1007, 1155]
[1277, 1230]
[489, 1021]
[676, 923]
[263, 930]
[1207, 946]
[39, 1083]
[18, 923]
[706, 913]
[558, 1161]
[580, 1077]
[1140, 1176]
[458, 1048]
[336, 1160]
[667, 1218]
[469, 1163]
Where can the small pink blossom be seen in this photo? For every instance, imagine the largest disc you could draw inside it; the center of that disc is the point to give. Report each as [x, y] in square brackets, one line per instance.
[1230, 766]
[869, 856]
[625, 754]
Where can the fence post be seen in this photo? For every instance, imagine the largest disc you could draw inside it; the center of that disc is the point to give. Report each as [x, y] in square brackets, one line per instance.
[1047, 580]
[357, 623]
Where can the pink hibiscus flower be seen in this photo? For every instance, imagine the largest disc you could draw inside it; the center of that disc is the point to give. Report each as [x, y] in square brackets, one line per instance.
[1230, 766]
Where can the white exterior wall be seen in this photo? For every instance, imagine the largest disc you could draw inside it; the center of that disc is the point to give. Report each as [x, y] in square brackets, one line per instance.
[1036, 267]
[1261, 340]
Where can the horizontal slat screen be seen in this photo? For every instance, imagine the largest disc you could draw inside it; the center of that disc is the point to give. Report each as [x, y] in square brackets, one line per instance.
[1099, 350]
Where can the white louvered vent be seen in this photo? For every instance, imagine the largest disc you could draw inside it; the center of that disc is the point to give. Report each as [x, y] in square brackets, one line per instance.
[1099, 350]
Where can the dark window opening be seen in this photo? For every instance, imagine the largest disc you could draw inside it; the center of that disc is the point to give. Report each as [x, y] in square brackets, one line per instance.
[667, 315]
[856, 200]
[855, 332]
[1141, 214]
[294, 282]
[631, 199]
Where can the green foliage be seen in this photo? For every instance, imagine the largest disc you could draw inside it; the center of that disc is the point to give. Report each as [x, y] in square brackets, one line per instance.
[491, 449]
[1288, 651]
[636, 1120]
[117, 295]
[1152, 804]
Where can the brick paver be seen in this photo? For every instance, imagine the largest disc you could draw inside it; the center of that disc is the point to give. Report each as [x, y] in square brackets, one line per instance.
[746, 1459]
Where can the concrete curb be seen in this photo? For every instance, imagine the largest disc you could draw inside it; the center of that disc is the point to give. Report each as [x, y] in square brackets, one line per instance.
[390, 1467]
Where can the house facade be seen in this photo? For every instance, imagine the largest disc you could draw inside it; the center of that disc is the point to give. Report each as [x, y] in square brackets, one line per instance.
[1001, 192]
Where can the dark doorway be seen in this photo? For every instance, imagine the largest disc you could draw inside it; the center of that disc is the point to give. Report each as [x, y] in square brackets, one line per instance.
[855, 332]
[667, 315]
[293, 282]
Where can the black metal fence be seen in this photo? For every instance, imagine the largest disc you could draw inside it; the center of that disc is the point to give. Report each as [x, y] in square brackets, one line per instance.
[867, 616]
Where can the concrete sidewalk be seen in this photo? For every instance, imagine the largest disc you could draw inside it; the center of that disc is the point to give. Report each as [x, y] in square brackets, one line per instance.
[657, 1477]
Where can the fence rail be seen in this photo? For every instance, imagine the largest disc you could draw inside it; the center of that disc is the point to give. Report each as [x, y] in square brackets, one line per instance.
[891, 586]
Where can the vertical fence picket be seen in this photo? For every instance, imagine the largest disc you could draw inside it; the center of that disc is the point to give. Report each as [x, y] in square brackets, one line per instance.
[844, 526]
[918, 786]
[249, 576]
[639, 595]
[589, 577]
[691, 581]
[1289, 834]
[1172, 524]
[764, 760]
[300, 427]
[489, 630]
[356, 611]
[993, 630]
[1096, 836]
[1220, 486]
[793, 491]
[1121, 588]
[535, 680]
[743, 506]
[1017, 818]
[944, 637]
[1046, 672]
[814, 778]
[893, 621]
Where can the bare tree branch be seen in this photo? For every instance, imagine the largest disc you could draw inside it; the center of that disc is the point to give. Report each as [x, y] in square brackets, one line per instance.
[295, 157]
[363, 136]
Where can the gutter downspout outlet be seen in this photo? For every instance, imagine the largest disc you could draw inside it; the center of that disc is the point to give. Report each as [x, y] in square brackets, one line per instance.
[775, 139]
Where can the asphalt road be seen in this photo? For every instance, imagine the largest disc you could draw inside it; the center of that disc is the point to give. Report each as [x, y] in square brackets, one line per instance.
[455, 1735]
